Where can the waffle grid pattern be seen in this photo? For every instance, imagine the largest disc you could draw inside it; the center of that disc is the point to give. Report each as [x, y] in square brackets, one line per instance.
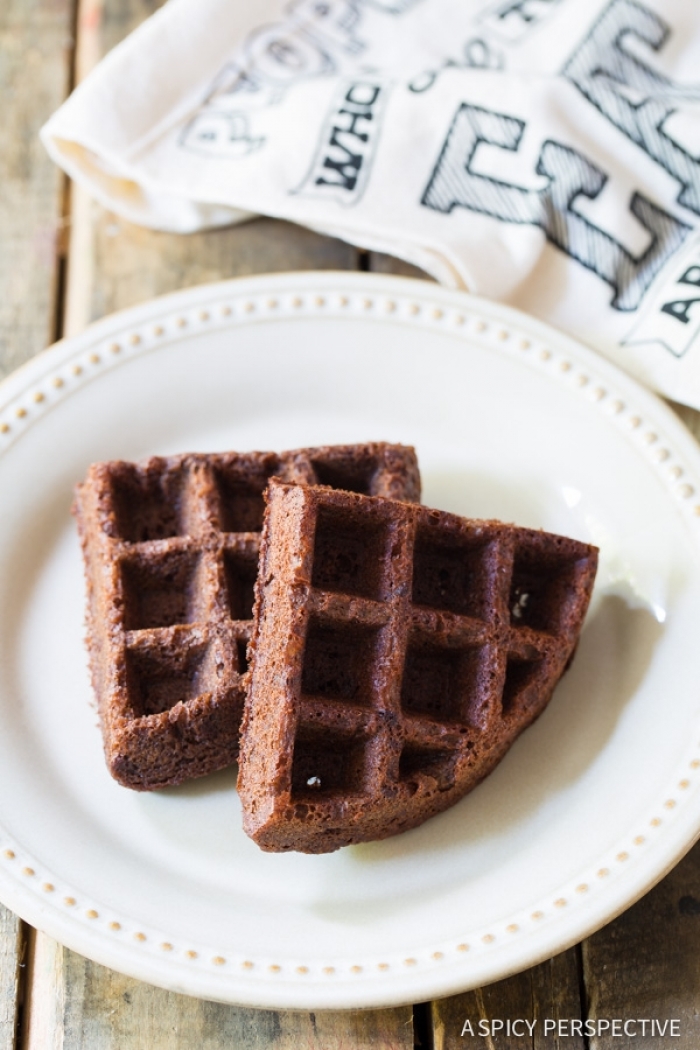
[422, 646]
[171, 550]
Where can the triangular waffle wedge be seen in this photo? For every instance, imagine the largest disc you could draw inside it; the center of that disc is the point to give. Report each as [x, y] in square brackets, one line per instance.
[397, 653]
[171, 552]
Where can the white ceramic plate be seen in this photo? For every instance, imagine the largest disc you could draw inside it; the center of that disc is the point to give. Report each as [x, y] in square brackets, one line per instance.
[510, 420]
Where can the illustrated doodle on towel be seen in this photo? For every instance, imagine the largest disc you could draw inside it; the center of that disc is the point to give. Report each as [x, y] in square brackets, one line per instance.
[670, 317]
[510, 22]
[514, 18]
[606, 71]
[313, 41]
[347, 143]
[603, 69]
[569, 175]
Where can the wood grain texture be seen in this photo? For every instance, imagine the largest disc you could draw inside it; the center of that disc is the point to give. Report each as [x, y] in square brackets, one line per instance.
[550, 990]
[42, 1027]
[35, 64]
[93, 1008]
[377, 262]
[11, 961]
[646, 963]
[117, 264]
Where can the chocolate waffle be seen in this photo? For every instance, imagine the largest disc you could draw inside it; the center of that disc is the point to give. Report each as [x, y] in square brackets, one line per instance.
[398, 652]
[171, 553]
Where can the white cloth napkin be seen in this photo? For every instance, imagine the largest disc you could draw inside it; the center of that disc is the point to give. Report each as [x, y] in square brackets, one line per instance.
[544, 153]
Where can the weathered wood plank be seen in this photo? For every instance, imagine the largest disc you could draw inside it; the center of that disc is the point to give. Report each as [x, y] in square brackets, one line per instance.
[115, 264]
[43, 1008]
[549, 991]
[35, 65]
[35, 69]
[377, 262]
[646, 963]
[94, 1008]
[11, 961]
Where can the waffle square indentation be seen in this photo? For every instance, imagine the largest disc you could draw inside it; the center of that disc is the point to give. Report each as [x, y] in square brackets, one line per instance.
[240, 571]
[338, 662]
[242, 655]
[417, 760]
[327, 764]
[241, 503]
[163, 591]
[453, 573]
[351, 476]
[148, 507]
[542, 588]
[520, 675]
[350, 554]
[447, 685]
[157, 678]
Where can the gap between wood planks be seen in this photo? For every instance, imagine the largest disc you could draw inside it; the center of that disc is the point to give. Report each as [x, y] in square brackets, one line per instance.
[423, 1027]
[26, 935]
[584, 997]
[62, 260]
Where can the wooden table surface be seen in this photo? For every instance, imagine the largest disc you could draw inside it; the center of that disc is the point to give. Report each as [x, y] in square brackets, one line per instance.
[64, 261]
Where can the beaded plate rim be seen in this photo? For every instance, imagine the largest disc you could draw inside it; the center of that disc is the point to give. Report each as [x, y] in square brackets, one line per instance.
[477, 956]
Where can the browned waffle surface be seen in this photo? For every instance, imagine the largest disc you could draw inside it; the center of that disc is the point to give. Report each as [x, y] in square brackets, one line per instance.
[171, 551]
[398, 652]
